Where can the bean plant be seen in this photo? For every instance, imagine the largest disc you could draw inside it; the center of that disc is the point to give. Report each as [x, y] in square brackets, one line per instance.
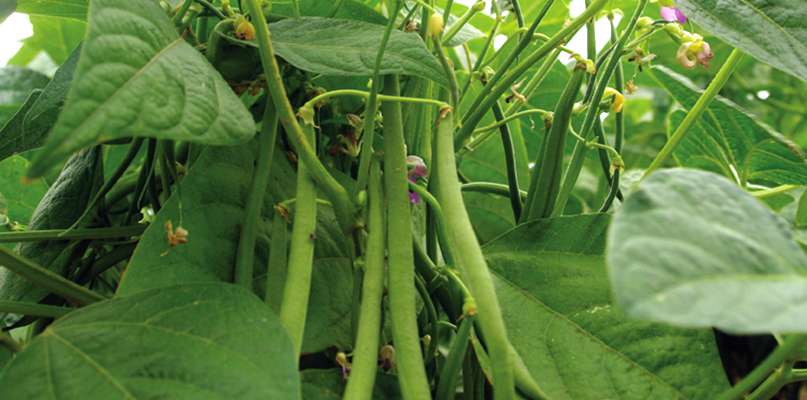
[367, 199]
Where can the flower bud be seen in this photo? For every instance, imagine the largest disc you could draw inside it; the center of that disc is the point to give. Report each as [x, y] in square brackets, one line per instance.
[436, 25]
[618, 99]
[416, 168]
[244, 29]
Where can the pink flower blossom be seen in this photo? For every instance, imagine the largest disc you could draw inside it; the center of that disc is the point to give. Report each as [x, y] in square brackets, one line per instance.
[673, 14]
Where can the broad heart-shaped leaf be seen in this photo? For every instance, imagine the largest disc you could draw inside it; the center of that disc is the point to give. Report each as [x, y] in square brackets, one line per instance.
[16, 84]
[137, 77]
[691, 248]
[75, 9]
[212, 200]
[729, 141]
[202, 341]
[6, 8]
[63, 203]
[17, 200]
[773, 31]
[57, 37]
[551, 280]
[28, 128]
[343, 47]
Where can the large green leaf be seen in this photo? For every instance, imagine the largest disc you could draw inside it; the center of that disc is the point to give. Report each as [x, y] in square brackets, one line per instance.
[212, 199]
[205, 341]
[57, 37]
[347, 9]
[691, 248]
[137, 77]
[63, 203]
[773, 31]
[30, 125]
[6, 8]
[348, 48]
[729, 141]
[16, 84]
[75, 9]
[17, 200]
[551, 281]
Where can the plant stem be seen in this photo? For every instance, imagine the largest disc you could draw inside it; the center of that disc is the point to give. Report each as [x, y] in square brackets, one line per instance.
[789, 347]
[697, 110]
[46, 279]
[512, 117]
[440, 219]
[75, 234]
[593, 113]
[310, 104]
[761, 194]
[9, 343]
[773, 384]
[446, 387]
[277, 267]
[456, 26]
[33, 309]
[473, 118]
[471, 261]
[491, 188]
[411, 372]
[365, 358]
[619, 134]
[342, 204]
[245, 258]
[296, 292]
[371, 109]
[453, 86]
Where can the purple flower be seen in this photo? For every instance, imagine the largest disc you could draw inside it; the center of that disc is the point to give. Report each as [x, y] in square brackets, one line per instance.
[416, 169]
[673, 14]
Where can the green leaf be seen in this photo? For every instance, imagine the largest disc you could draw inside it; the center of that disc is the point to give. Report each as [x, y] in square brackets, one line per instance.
[206, 341]
[63, 203]
[328, 384]
[6, 8]
[32, 122]
[75, 9]
[17, 200]
[348, 48]
[137, 77]
[348, 9]
[551, 281]
[729, 141]
[773, 31]
[57, 37]
[212, 197]
[801, 212]
[690, 248]
[16, 84]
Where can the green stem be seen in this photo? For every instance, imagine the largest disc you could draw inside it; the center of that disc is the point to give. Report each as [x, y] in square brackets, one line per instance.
[479, 105]
[439, 216]
[371, 109]
[784, 352]
[310, 104]
[183, 9]
[365, 358]
[75, 234]
[761, 194]
[580, 149]
[456, 26]
[134, 148]
[491, 188]
[46, 279]
[294, 307]
[697, 110]
[33, 309]
[245, 258]
[453, 86]
[342, 204]
[411, 372]
[772, 385]
[146, 172]
[295, 8]
[512, 117]
[481, 58]
[471, 261]
[545, 182]
[447, 386]
[505, 82]
[210, 7]
[619, 134]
